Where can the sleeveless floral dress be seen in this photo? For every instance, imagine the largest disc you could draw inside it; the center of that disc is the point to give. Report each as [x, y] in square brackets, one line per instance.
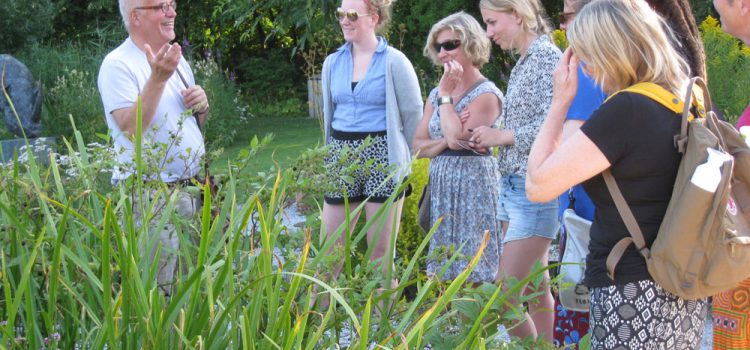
[465, 190]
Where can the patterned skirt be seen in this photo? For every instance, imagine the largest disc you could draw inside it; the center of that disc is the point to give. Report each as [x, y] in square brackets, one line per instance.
[464, 192]
[369, 179]
[732, 318]
[642, 315]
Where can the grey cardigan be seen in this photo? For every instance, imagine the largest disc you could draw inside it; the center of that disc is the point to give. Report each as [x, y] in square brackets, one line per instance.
[403, 106]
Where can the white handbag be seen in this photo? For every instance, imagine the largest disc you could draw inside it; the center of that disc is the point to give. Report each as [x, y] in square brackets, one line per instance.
[574, 295]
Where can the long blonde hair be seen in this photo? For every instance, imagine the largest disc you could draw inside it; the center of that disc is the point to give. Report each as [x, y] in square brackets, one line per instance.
[623, 42]
[533, 17]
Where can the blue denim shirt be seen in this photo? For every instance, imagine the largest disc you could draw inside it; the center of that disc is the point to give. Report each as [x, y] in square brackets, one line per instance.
[361, 109]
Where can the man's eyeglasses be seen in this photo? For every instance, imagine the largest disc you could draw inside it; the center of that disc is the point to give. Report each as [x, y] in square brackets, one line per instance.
[449, 45]
[566, 16]
[351, 14]
[164, 7]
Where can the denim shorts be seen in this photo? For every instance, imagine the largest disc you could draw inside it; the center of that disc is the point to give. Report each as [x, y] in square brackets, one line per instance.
[526, 219]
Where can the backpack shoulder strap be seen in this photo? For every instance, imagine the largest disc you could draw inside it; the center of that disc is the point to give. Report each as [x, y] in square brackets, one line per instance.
[696, 94]
[666, 98]
[636, 235]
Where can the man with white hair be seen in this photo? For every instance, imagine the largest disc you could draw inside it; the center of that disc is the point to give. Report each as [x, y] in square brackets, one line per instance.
[735, 18]
[148, 68]
[730, 308]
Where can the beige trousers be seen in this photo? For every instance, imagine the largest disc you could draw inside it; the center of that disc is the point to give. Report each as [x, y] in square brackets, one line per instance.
[186, 207]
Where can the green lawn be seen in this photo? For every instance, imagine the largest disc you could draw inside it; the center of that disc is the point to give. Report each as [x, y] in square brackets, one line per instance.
[291, 136]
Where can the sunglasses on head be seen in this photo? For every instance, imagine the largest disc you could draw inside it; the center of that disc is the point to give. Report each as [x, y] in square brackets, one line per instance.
[351, 14]
[449, 45]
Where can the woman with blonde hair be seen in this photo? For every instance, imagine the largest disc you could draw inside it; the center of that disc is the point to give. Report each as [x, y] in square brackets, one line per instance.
[520, 26]
[620, 43]
[370, 91]
[464, 183]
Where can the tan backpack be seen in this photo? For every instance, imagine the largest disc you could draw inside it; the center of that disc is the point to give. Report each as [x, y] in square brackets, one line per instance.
[703, 244]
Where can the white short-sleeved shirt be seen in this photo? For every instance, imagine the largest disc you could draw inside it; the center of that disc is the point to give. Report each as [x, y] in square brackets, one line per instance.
[122, 76]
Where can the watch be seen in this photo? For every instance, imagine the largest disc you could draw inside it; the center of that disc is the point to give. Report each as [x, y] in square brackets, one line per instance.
[445, 100]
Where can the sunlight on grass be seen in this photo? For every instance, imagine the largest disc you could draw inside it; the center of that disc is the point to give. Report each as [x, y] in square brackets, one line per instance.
[290, 138]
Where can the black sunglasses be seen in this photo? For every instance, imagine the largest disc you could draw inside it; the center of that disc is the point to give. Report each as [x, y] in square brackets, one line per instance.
[351, 14]
[449, 45]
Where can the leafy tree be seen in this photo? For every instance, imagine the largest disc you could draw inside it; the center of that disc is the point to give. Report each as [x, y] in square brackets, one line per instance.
[24, 22]
[88, 20]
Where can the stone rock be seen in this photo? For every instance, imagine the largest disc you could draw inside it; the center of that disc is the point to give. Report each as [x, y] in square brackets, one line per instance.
[26, 95]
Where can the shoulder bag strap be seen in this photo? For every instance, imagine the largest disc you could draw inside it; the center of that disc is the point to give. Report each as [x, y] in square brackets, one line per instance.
[206, 174]
[636, 235]
[696, 94]
[187, 86]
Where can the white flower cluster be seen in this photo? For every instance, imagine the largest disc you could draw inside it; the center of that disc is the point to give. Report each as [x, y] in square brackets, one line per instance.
[39, 147]
[71, 80]
[100, 157]
[242, 108]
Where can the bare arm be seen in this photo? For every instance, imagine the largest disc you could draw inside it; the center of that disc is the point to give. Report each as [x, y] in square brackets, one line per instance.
[163, 64]
[554, 168]
[570, 126]
[485, 136]
[423, 145]
[450, 123]
[482, 111]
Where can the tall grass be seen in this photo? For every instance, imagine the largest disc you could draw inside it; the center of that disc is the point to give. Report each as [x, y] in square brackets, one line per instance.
[74, 275]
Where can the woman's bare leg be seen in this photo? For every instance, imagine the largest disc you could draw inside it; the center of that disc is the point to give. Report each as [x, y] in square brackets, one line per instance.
[333, 216]
[518, 258]
[380, 238]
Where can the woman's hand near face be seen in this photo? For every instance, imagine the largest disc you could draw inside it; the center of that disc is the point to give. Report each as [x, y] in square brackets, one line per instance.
[452, 74]
[565, 79]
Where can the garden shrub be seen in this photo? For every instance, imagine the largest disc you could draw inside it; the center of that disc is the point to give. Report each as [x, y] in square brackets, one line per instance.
[271, 75]
[728, 66]
[288, 107]
[24, 22]
[73, 277]
[89, 21]
[558, 36]
[74, 93]
[273, 83]
[310, 184]
[229, 113]
[411, 234]
[68, 75]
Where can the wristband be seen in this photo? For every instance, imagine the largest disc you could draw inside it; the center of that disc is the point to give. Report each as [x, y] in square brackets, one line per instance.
[445, 100]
